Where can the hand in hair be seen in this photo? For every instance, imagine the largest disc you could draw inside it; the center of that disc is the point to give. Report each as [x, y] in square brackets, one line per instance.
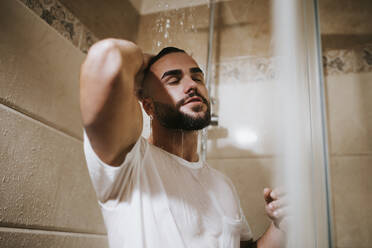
[141, 74]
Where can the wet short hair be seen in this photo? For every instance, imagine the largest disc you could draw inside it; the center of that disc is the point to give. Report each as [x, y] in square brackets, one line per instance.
[162, 53]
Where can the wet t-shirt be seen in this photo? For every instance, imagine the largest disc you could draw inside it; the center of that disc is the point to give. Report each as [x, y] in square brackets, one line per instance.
[158, 200]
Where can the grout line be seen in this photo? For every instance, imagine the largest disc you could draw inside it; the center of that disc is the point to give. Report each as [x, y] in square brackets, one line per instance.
[46, 232]
[14, 109]
[352, 155]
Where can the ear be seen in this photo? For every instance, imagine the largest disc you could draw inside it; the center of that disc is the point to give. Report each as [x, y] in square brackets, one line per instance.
[148, 106]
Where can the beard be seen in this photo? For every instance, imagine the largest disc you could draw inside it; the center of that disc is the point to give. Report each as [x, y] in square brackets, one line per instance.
[172, 117]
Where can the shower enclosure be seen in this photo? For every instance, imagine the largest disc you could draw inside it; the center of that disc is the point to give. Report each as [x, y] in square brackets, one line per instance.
[263, 68]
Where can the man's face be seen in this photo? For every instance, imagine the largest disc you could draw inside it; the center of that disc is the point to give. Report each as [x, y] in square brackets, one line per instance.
[178, 92]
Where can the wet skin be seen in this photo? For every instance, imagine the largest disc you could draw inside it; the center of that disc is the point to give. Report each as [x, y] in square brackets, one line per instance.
[177, 80]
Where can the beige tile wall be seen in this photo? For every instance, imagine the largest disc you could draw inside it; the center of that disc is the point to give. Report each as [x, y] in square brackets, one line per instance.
[344, 23]
[46, 197]
[106, 19]
[39, 69]
[183, 28]
[63, 21]
[349, 109]
[45, 183]
[243, 79]
[15, 238]
[351, 188]
[242, 29]
[350, 113]
[346, 40]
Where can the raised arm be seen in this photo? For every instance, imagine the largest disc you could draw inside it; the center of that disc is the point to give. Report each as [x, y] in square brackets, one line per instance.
[110, 110]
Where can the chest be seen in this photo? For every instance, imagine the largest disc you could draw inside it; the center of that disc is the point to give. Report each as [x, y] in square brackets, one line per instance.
[199, 201]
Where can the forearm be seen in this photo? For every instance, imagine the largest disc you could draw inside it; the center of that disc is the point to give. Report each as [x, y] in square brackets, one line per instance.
[110, 110]
[272, 238]
[110, 65]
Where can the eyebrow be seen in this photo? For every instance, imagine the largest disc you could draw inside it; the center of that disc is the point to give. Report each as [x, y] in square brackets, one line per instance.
[172, 73]
[196, 70]
[178, 72]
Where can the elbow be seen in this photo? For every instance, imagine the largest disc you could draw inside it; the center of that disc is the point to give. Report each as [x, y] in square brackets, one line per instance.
[111, 60]
[103, 63]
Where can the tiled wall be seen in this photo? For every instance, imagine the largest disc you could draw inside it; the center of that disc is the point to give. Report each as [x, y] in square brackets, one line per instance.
[108, 18]
[243, 70]
[184, 28]
[46, 198]
[347, 54]
[350, 138]
[85, 22]
[63, 21]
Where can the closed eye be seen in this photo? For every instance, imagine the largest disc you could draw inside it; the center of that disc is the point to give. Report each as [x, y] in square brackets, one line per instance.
[198, 80]
[173, 81]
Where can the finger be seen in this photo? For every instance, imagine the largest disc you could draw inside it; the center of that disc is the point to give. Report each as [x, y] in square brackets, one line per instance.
[277, 192]
[266, 193]
[281, 213]
[278, 213]
[276, 204]
[270, 212]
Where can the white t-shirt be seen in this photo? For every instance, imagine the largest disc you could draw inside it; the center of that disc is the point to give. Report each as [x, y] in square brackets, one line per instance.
[155, 199]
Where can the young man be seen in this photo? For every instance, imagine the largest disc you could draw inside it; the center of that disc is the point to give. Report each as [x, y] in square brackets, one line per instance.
[157, 193]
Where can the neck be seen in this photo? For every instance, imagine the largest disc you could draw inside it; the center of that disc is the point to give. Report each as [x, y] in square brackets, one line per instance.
[178, 142]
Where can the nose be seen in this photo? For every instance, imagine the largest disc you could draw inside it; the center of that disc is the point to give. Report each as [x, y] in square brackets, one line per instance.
[189, 85]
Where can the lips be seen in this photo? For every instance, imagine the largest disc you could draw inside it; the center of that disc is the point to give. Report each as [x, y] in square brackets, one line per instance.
[193, 99]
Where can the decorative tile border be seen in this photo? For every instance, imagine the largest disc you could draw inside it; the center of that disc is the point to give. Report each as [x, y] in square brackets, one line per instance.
[262, 69]
[356, 60]
[63, 21]
[247, 68]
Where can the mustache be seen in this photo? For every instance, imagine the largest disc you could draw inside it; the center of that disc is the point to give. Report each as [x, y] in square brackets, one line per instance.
[182, 101]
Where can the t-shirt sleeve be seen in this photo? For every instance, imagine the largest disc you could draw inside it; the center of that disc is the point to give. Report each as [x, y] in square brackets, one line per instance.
[245, 233]
[112, 182]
